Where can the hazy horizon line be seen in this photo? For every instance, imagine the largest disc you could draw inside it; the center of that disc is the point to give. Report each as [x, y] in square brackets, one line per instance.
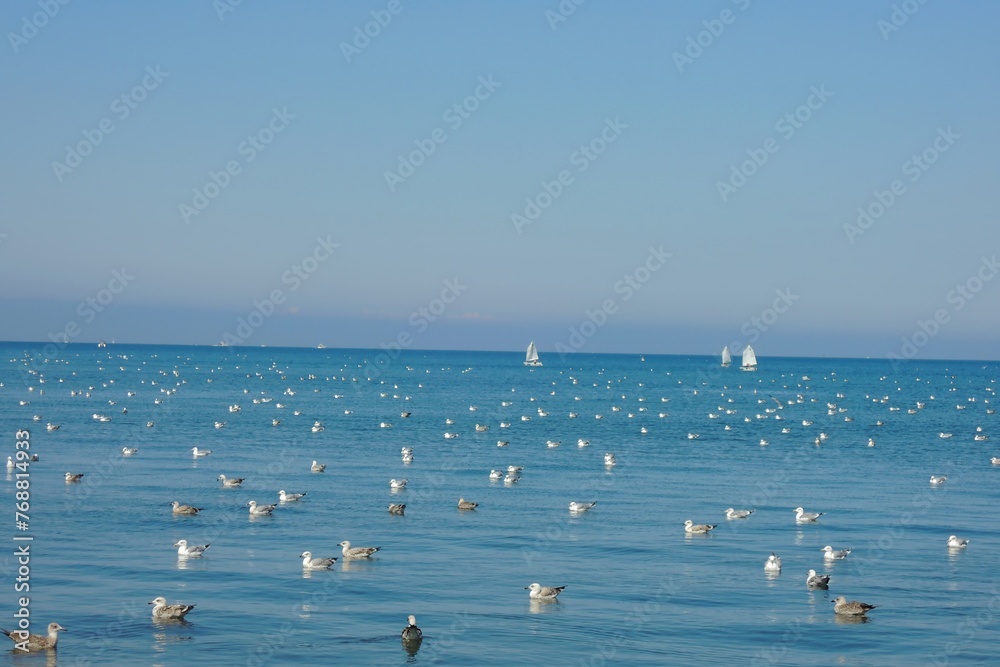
[491, 351]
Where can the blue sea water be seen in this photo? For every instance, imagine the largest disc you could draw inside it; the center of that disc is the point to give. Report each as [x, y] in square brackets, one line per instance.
[638, 590]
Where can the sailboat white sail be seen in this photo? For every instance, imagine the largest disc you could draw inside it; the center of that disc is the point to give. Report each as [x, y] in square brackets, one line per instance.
[749, 359]
[531, 358]
[726, 358]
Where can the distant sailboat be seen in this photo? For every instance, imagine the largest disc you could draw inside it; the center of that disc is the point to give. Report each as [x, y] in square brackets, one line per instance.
[531, 359]
[749, 359]
[726, 359]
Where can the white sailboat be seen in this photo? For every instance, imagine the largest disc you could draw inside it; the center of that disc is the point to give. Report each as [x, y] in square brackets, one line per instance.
[726, 358]
[749, 359]
[531, 358]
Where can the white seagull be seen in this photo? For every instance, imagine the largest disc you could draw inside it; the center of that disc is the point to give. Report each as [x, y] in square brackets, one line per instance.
[957, 542]
[260, 510]
[803, 516]
[538, 592]
[577, 507]
[831, 554]
[310, 563]
[773, 563]
[701, 528]
[194, 550]
[814, 580]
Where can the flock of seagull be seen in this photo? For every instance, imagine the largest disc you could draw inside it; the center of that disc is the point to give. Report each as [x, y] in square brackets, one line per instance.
[412, 635]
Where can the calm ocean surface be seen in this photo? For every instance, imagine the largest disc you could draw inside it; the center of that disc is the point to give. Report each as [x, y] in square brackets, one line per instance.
[639, 592]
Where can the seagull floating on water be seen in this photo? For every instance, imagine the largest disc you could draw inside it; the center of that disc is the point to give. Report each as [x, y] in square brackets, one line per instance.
[357, 552]
[285, 497]
[317, 467]
[411, 633]
[773, 563]
[957, 542]
[738, 514]
[397, 483]
[27, 642]
[397, 508]
[814, 580]
[578, 507]
[129, 451]
[200, 452]
[938, 479]
[831, 554]
[194, 550]
[609, 459]
[701, 528]
[852, 608]
[73, 477]
[184, 509]
[230, 483]
[464, 504]
[310, 563]
[803, 516]
[260, 510]
[539, 592]
[496, 475]
[163, 610]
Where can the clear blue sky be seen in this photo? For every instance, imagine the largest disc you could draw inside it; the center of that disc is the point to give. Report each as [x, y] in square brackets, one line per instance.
[673, 130]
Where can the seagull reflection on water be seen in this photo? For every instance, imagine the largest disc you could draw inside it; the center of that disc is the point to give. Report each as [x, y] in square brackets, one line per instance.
[544, 605]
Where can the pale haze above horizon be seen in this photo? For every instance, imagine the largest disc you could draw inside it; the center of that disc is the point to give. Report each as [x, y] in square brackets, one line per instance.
[640, 177]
